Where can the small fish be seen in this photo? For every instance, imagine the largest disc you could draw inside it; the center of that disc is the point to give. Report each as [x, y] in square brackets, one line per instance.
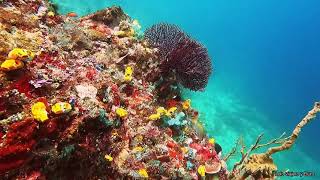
[72, 14]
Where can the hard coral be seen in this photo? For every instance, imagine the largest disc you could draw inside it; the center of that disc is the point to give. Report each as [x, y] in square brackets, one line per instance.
[259, 166]
[19, 38]
[179, 53]
[111, 16]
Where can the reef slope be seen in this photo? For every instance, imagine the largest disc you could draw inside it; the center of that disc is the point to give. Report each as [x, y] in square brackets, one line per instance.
[83, 98]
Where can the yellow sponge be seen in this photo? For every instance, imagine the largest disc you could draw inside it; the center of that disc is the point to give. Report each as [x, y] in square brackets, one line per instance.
[11, 64]
[61, 107]
[121, 112]
[39, 111]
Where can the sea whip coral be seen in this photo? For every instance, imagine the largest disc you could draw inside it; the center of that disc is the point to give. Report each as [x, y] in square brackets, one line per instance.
[178, 52]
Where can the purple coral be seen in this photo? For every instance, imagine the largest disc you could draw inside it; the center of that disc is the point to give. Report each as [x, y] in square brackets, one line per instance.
[165, 37]
[178, 52]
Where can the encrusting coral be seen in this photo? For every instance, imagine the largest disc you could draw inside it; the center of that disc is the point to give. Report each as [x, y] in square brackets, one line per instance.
[83, 98]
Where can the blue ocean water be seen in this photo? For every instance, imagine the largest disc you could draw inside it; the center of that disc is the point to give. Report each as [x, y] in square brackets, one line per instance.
[266, 57]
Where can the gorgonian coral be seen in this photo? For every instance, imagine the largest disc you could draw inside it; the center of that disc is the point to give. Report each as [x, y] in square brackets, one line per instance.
[180, 53]
[165, 37]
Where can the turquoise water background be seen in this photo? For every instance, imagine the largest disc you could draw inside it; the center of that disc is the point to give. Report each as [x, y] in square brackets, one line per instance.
[266, 57]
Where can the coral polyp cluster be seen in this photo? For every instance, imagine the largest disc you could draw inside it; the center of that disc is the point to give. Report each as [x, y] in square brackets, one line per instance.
[180, 53]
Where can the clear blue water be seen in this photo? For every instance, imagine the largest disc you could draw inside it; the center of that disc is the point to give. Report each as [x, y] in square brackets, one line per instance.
[266, 57]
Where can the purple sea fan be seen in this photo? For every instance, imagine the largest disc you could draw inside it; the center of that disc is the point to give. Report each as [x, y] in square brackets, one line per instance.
[192, 64]
[165, 37]
[179, 53]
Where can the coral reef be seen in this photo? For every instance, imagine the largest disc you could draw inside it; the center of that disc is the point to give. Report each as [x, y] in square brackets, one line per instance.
[77, 101]
[179, 53]
[83, 98]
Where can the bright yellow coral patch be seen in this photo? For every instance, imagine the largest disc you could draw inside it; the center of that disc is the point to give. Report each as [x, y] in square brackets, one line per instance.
[185, 150]
[154, 117]
[127, 78]
[161, 111]
[138, 149]
[39, 111]
[171, 111]
[186, 104]
[211, 141]
[121, 112]
[202, 170]
[128, 74]
[143, 173]
[11, 64]
[50, 14]
[20, 54]
[108, 157]
[61, 107]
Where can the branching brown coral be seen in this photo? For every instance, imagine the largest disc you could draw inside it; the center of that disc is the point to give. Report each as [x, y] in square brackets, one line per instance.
[262, 165]
[233, 150]
[250, 163]
[290, 141]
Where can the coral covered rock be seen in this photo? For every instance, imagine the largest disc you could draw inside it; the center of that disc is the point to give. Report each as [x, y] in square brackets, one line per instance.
[76, 100]
[111, 17]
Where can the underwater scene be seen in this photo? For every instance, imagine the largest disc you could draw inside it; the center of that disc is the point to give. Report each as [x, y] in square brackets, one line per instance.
[170, 89]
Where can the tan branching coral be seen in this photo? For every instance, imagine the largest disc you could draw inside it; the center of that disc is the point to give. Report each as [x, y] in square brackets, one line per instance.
[288, 143]
[260, 166]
